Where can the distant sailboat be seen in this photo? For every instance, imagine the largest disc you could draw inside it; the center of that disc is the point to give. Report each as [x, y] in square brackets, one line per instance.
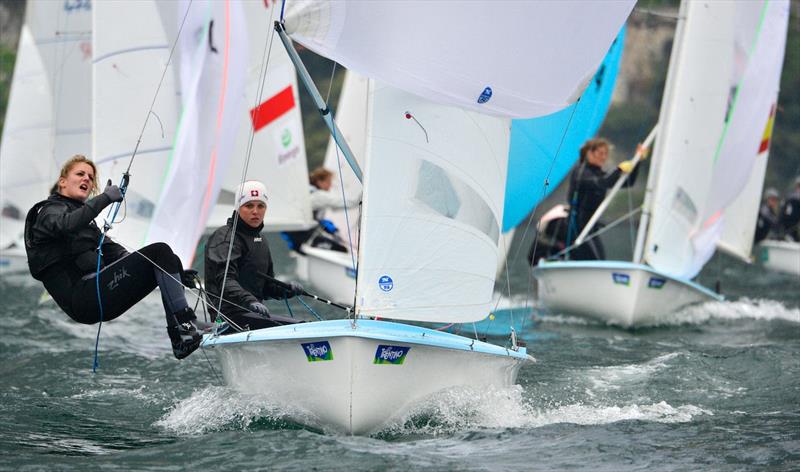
[433, 199]
[706, 142]
[48, 118]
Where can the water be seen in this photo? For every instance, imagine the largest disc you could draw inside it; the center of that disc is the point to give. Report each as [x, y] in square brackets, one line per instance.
[716, 387]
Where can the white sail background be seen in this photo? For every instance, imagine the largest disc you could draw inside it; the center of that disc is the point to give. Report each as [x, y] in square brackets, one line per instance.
[742, 161]
[451, 52]
[690, 124]
[278, 155]
[26, 171]
[213, 74]
[131, 50]
[433, 206]
[63, 34]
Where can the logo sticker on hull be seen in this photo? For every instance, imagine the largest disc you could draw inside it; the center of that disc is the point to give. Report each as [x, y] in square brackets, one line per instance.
[656, 282]
[391, 354]
[318, 351]
[621, 279]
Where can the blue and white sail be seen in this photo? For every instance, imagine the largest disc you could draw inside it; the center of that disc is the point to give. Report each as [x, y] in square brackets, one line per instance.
[544, 149]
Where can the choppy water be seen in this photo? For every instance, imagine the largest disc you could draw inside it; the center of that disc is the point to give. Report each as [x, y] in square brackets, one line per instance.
[717, 387]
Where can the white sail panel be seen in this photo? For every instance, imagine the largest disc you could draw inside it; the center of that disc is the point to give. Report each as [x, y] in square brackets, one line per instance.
[131, 51]
[690, 125]
[433, 205]
[271, 117]
[213, 70]
[530, 58]
[741, 162]
[26, 170]
[351, 117]
[63, 34]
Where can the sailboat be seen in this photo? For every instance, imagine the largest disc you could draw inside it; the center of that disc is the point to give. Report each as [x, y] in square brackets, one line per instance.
[48, 118]
[541, 148]
[432, 202]
[703, 156]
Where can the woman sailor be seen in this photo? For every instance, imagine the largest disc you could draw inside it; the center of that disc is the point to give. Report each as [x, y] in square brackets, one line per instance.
[61, 239]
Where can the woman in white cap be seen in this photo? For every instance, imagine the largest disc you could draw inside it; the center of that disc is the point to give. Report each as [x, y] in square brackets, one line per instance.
[250, 273]
[61, 240]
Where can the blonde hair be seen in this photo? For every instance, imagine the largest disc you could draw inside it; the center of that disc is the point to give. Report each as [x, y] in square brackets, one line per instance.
[318, 175]
[592, 145]
[67, 167]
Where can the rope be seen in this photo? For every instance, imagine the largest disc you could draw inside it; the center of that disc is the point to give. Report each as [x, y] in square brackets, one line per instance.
[597, 233]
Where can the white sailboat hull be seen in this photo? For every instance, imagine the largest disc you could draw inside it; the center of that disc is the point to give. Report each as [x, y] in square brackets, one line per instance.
[13, 261]
[618, 293]
[352, 392]
[331, 273]
[783, 256]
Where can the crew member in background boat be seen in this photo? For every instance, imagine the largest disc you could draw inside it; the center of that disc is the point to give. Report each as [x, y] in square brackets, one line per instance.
[588, 184]
[250, 273]
[790, 213]
[325, 235]
[61, 239]
[768, 225]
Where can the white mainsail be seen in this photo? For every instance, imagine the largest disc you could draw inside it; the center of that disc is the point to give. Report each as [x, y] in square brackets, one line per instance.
[26, 171]
[690, 124]
[213, 64]
[270, 121]
[433, 204]
[530, 58]
[741, 161]
[131, 50]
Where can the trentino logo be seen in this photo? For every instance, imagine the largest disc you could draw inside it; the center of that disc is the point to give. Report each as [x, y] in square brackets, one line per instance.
[656, 282]
[318, 351]
[621, 279]
[391, 354]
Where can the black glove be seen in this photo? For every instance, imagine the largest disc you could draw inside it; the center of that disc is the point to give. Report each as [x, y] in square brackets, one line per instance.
[188, 278]
[260, 308]
[295, 289]
[112, 192]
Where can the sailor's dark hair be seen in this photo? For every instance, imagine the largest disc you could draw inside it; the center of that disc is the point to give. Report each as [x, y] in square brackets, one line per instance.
[72, 162]
[318, 175]
[591, 145]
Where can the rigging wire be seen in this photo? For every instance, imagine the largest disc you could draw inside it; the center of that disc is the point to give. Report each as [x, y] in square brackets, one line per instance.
[112, 212]
[262, 79]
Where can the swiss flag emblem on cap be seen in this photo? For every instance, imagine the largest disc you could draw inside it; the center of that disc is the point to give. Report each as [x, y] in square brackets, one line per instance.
[253, 193]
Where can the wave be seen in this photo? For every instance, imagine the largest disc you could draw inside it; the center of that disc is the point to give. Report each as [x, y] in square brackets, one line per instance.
[743, 308]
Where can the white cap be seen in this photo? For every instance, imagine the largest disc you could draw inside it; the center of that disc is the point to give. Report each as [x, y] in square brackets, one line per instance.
[252, 190]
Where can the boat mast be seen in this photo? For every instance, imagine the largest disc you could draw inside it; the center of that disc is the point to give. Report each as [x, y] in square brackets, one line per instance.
[324, 111]
[655, 167]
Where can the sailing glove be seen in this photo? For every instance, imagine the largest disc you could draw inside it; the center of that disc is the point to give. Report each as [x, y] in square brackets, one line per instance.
[260, 308]
[112, 192]
[295, 289]
[626, 166]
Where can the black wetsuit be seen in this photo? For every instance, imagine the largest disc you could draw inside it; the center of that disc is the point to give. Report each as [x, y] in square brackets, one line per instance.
[588, 185]
[790, 216]
[61, 239]
[768, 223]
[249, 274]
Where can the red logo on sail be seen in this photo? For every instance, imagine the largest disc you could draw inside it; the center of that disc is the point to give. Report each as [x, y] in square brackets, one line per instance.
[765, 139]
[273, 108]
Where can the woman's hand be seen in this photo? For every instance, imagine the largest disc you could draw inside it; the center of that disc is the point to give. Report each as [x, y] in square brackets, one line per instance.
[112, 192]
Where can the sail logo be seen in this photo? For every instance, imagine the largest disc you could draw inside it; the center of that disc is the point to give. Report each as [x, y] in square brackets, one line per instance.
[391, 354]
[319, 351]
[386, 283]
[75, 5]
[656, 282]
[486, 95]
[286, 138]
[621, 279]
